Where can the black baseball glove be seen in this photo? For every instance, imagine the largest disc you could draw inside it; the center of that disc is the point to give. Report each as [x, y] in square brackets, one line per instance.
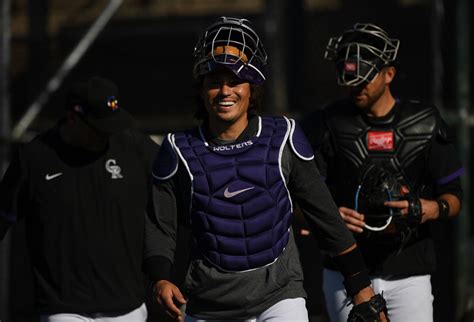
[368, 311]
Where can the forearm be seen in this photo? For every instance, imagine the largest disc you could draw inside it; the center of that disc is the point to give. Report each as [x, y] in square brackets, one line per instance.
[356, 279]
[157, 268]
[159, 240]
[454, 204]
[447, 171]
[319, 209]
[160, 229]
[443, 207]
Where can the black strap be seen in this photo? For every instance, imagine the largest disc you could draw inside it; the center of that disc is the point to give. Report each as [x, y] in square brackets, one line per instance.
[353, 268]
[414, 211]
[443, 208]
[357, 282]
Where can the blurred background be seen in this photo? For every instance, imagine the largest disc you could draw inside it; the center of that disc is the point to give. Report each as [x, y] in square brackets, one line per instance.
[146, 47]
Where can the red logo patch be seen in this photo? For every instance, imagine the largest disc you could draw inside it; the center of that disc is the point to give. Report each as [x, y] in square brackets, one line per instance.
[380, 141]
[350, 67]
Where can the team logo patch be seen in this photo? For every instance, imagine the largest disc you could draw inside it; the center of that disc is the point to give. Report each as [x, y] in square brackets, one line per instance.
[112, 167]
[350, 66]
[112, 103]
[380, 141]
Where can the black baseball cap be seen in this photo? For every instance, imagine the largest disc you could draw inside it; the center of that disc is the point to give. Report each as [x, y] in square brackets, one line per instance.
[96, 100]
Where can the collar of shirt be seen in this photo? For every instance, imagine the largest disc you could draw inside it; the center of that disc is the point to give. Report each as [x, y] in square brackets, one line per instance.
[247, 134]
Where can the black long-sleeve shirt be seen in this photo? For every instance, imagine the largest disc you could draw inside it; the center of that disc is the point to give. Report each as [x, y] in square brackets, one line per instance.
[84, 213]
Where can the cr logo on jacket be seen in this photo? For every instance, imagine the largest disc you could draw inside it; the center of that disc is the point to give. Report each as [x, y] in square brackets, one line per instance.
[110, 166]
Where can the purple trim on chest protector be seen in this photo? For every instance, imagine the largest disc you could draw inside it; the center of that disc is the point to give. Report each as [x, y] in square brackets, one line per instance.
[301, 143]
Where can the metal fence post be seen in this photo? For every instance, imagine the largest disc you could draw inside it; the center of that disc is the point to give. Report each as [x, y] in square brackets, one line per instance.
[463, 84]
[4, 145]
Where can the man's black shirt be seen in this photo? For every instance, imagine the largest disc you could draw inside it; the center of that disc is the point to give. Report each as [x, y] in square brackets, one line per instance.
[84, 214]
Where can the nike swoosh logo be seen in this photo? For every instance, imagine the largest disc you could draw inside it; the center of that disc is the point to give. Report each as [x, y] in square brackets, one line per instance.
[229, 194]
[51, 177]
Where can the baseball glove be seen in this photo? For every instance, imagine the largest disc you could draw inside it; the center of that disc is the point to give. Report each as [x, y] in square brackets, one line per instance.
[368, 311]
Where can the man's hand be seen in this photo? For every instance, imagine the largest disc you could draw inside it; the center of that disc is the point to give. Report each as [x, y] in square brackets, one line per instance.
[365, 311]
[354, 220]
[429, 208]
[167, 294]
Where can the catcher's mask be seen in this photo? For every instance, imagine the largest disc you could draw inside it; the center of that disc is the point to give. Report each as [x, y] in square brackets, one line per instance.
[360, 53]
[231, 43]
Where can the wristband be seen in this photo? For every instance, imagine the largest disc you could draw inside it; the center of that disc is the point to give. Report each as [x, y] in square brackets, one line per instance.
[350, 263]
[443, 208]
[414, 211]
[352, 267]
[355, 283]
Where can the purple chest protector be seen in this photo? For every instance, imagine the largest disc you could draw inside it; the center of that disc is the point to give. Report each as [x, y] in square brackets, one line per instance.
[241, 210]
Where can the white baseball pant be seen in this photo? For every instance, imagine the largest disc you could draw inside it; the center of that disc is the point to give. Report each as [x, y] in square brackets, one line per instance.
[408, 299]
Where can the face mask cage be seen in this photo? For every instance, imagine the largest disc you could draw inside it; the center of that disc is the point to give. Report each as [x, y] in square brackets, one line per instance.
[232, 43]
[360, 53]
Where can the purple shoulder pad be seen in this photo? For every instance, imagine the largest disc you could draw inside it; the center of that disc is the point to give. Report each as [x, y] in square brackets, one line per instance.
[165, 164]
[299, 143]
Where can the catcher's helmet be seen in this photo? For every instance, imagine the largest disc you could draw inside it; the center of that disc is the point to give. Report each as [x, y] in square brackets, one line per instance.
[360, 53]
[231, 43]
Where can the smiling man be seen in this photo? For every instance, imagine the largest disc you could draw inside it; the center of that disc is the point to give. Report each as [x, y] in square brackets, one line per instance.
[233, 180]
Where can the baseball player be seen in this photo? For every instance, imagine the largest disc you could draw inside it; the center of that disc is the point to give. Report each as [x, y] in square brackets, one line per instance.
[392, 169]
[82, 189]
[235, 180]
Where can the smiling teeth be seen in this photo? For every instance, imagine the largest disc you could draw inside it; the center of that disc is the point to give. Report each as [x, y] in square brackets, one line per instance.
[226, 103]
